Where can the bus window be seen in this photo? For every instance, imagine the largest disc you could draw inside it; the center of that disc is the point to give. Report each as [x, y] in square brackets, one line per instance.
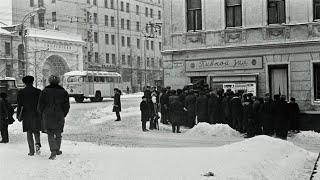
[72, 79]
[96, 79]
[81, 79]
[90, 79]
[102, 79]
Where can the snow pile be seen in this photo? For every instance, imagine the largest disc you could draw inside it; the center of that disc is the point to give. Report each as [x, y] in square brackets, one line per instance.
[309, 137]
[134, 95]
[205, 129]
[102, 115]
[260, 157]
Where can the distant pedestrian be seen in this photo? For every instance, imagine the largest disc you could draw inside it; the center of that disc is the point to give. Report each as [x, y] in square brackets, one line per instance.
[28, 114]
[54, 106]
[177, 110]
[213, 108]
[236, 112]
[202, 107]
[248, 116]
[4, 118]
[154, 117]
[190, 105]
[164, 106]
[117, 103]
[267, 117]
[145, 113]
[294, 112]
[281, 116]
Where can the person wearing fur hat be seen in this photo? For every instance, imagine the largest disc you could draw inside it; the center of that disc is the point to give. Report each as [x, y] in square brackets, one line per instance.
[54, 106]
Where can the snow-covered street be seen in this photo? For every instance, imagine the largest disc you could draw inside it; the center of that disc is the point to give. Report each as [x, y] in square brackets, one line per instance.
[96, 147]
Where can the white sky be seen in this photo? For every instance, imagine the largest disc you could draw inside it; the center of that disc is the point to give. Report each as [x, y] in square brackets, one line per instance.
[5, 11]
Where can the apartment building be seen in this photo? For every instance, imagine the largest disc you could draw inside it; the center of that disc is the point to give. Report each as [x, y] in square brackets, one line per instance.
[123, 36]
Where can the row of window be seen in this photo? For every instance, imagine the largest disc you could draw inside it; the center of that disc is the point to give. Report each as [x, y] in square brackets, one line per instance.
[233, 11]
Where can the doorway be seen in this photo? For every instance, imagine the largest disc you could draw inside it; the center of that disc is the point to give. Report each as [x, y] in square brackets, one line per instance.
[278, 80]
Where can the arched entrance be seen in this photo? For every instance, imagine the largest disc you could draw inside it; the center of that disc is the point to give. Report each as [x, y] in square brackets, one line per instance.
[54, 65]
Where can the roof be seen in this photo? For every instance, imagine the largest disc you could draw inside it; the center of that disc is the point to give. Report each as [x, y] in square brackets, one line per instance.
[90, 73]
[5, 32]
[55, 35]
[8, 78]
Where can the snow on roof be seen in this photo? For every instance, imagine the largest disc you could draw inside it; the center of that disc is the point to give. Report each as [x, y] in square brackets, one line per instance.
[8, 78]
[53, 34]
[96, 73]
[5, 32]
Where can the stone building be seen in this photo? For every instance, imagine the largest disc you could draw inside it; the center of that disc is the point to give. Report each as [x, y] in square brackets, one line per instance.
[119, 35]
[261, 46]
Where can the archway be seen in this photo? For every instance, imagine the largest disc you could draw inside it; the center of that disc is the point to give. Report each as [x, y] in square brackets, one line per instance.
[54, 65]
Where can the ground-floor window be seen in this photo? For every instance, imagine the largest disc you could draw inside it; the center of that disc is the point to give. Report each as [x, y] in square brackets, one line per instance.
[316, 73]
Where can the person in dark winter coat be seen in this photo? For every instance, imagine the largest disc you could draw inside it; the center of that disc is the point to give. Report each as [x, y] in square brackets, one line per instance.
[257, 103]
[294, 112]
[177, 110]
[154, 117]
[267, 118]
[202, 107]
[190, 105]
[281, 116]
[145, 113]
[4, 119]
[53, 107]
[213, 108]
[220, 114]
[236, 112]
[164, 106]
[172, 98]
[117, 104]
[27, 113]
[226, 107]
[248, 117]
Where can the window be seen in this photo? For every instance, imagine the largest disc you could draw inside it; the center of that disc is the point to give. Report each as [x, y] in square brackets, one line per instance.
[128, 25]
[137, 9]
[129, 61]
[107, 38]
[113, 57]
[233, 13]
[121, 6]
[95, 18]
[160, 31]
[316, 80]
[112, 4]
[95, 2]
[123, 57]
[88, 1]
[107, 58]
[105, 3]
[53, 1]
[112, 39]
[146, 13]
[31, 3]
[127, 7]
[112, 21]
[96, 56]
[152, 45]
[147, 44]
[151, 13]
[138, 61]
[95, 36]
[138, 26]
[147, 28]
[88, 35]
[159, 14]
[148, 62]
[41, 19]
[40, 3]
[88, 16]
[7, 46]
[106, 20]
[194, 17]
[160, 63]
[160, 46]
[89, 56]
[316, 9]
[122, 23]
[54, 16]
[152, 62]
[128, 41]
[32, 20]
[138, 43]
[122, 41]
[276, 12]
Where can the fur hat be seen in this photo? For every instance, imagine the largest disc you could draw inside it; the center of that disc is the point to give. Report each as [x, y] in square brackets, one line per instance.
[53, 79]
[28, 79]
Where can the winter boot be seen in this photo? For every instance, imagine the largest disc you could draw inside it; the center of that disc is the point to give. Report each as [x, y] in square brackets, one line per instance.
[53, 155]
[38, 151]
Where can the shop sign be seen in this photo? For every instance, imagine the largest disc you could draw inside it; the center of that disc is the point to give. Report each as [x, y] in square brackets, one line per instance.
[246, 87]
[224, 64]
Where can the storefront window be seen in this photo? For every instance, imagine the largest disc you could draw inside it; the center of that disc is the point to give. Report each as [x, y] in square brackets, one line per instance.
[316, 73]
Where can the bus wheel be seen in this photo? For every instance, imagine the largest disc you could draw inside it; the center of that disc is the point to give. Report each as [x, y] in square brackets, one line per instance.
[93, 99]
[79, 99]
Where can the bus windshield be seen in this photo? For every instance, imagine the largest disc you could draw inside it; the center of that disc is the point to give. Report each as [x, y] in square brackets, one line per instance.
[72, 79]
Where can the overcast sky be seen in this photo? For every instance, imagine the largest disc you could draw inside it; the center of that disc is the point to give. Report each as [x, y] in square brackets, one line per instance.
[5, 11]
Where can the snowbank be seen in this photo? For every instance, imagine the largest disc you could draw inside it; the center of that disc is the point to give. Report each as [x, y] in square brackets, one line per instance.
[309, 137]
[134, 95]
[220, 130]
[258, 158]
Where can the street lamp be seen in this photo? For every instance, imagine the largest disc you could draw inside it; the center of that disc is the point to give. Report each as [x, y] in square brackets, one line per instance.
[25, 18]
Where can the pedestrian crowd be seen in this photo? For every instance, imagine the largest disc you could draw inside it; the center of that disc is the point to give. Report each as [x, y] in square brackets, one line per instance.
[39, 111]
[243, 112]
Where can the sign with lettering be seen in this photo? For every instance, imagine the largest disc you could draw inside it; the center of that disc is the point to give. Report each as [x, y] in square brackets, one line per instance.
[246, 87]
[224, 64]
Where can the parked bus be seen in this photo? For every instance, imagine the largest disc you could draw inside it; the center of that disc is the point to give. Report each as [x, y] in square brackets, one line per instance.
[8, 86]
[94, 85]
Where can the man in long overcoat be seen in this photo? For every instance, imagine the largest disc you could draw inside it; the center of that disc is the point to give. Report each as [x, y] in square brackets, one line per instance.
[213, 108]
[27, 113]
[145, 113]
[117, 104]
[281, 117]
[267, 118]
[177, 109]
[190, 105]
[294, 112]
[202, 107]
[236, 112]
[54, 106]
[164, 105]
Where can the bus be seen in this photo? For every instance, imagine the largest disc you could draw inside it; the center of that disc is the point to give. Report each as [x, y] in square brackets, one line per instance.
[94, 85]
[8, 86]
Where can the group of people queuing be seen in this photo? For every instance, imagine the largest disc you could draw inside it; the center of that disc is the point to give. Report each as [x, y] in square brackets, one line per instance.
[39, 111]
[243, 112]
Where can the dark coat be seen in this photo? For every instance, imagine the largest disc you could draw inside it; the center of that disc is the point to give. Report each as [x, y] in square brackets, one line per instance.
[226, 101]
[53, 107]
[294, 112]
[116, 103]
[281, 115]
[202, 108]
[247, 120]
[164, 102]
[236, 112]
[213, 109]
[177, 112]
[3, 115]
[190, 105]
[28, 102]
[267, 118]
[145, 111]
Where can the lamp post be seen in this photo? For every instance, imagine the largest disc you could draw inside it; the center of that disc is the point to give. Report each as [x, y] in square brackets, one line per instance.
[25, 18]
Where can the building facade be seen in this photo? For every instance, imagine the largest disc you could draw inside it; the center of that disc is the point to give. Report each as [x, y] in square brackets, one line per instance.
[123, 36]
[260, 46]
